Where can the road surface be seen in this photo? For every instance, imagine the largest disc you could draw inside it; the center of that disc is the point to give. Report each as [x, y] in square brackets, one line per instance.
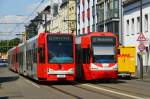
[14, 86]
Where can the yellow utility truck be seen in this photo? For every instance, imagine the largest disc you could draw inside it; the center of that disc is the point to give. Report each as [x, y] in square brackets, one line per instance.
[126, 61]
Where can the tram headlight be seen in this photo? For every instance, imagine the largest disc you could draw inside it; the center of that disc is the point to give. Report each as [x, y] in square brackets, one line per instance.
[71, 71]
[50, 70]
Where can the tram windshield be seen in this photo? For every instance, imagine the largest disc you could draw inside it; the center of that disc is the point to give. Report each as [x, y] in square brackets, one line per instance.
[60, 49]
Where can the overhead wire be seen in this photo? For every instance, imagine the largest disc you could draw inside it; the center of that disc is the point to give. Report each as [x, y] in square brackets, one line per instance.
[29, 16]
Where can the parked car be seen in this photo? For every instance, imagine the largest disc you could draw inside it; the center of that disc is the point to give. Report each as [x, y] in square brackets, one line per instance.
[3, 62]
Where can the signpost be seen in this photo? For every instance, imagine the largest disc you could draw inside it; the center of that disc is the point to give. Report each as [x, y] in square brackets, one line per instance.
[141, 30]
[141, 37]
[141, 48]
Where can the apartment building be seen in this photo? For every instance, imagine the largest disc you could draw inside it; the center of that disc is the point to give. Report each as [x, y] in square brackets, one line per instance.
[98, 15]
[61, 17]
[86, 16]
[132, 26]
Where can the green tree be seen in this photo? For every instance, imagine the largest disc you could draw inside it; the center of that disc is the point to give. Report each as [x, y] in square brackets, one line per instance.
[5, 45]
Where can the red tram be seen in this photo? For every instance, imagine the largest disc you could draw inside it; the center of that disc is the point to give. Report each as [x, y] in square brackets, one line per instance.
[46, 57]
[96, 56]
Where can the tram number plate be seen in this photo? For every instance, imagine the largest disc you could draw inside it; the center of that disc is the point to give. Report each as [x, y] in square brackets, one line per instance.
[105, 67]
[61, 76]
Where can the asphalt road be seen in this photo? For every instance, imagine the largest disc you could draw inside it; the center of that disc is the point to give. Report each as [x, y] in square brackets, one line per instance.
[13, 86]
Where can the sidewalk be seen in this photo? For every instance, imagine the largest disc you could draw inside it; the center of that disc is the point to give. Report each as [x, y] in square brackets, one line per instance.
[146, 76]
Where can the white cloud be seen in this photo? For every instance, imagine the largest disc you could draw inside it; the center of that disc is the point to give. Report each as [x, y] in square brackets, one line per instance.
[12, 19]
[33, 6]
[20, 19]
[42, 6]
[56, 1]
[6, 29]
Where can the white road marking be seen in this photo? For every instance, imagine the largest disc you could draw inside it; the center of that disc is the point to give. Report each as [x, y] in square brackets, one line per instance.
[27, 81]
[36, 85]
[32, 83]
[123, 94]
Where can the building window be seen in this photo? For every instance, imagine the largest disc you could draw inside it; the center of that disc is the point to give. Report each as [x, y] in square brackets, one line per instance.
[116, 8]
[78, 32]
[78, 7]
[93, 2]
[83, 16]
[78, 1]
[138, 24]
[88, 29]
[132, 26]
[100, 12]
[112, 9]
[109, 9]
[88, 13]
[127, 27]
[88, 2]
[146, 23]
[83, 30]
[93, 19]
[116, 29]
[88, 23]
[93, 10]
[79, 18]
[83, 3]
[93, 28]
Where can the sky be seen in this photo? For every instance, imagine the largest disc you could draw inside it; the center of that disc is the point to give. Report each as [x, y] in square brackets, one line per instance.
[17, 11]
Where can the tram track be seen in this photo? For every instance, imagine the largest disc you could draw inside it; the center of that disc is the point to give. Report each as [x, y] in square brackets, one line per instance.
[122, 90]
[81, 87]
[98, 84]
[135, 86]
[112, 97]
[65, 92]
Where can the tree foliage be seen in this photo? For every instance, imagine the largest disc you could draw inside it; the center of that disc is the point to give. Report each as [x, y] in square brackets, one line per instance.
[5, 45]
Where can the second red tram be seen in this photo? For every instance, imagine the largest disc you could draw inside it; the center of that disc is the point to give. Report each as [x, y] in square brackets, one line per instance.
[96, 56]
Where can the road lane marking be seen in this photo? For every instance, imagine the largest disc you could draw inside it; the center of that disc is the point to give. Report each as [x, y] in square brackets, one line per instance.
[35, 85]
[27, 81]
[32, 83]
[123, 94]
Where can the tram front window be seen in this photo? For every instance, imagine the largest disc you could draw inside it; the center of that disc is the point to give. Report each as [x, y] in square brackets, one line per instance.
[104, 54]
[60, 50]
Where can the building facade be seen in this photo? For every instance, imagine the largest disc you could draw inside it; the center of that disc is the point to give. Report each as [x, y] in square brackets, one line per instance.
[98, 15]
[61, 17]
[86, 16]
[131, 22]
[108, 15]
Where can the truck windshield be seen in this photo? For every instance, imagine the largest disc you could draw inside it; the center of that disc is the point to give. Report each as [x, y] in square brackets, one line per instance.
[60, 49]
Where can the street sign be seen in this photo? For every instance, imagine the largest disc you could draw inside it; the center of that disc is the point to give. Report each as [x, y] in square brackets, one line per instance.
[141, 37]
[141, 47]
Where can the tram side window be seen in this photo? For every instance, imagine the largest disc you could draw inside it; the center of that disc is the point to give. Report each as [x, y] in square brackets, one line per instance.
[21, 58]
[42, 55]
[86, 55]
[16, 57]
[35, 55]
